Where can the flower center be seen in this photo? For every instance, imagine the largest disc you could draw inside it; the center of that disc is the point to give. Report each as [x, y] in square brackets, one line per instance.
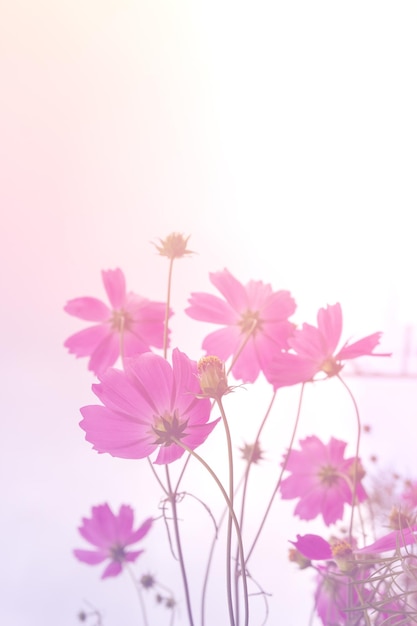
[117, 553]
[330, 366]
[168, 427]
[250, 322]
[120, 320]
[328, 475]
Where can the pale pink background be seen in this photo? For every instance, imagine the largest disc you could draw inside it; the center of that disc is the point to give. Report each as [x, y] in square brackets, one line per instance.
[282, 136]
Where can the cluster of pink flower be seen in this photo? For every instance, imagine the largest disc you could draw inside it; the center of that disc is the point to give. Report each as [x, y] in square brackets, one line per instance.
[151, 408]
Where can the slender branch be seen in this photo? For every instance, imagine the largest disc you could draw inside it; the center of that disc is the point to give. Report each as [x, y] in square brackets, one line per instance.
[235, 521]
[172, 498]
[283, 466]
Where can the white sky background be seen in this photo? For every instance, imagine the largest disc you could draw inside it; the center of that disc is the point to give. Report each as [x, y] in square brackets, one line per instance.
[282, 136]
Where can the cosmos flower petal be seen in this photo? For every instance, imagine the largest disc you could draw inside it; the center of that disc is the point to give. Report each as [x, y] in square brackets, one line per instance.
[90, 557]
[392, 541]
[153, 377]
[143, 530]
[329, 321]
[89, 309]
[313, 547]
[231, 289]
[105, 354]
[363, 347]
[208, 308]
[86, 341]
[115, 286]
[120, 394]
[114, 568]
[222, 342]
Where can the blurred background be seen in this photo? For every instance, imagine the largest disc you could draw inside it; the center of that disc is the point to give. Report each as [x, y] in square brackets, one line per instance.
[281, 136]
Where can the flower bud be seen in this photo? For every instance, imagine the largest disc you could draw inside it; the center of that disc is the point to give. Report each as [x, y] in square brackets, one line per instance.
[212, 376]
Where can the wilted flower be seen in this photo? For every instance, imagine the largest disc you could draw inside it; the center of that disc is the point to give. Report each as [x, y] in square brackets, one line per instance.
[131, 326]
[148, 407]
[255, 319]
[111, 534]
[320, 477]
[174, 246]
[252, 452]
[313, 350]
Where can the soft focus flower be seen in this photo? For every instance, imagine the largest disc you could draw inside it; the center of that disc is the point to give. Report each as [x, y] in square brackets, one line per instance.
[321, 478]
[255, 319]
[314, 350]
[316, 548]
[111, 534]
[339, 599]
[131, 326]
[147, 407]
[252, 452]
[174, 246]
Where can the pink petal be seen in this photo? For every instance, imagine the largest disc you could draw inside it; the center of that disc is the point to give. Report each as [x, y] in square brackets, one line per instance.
[130, 557]
[247, 367]
[313, 547]
[363, 347]
[231, 289]
[186, 388]
[119, 393]
[257, 295]
[223, 342]
[86, 341]
[330, 325]
[115, 286]
[309, 343]
[90, 557]
[279, 306]
[113, 569]
[105, 354]
[124, 525]
[208, 308]
[392, 541]
[153, 378]
[90, 309]
[116, 434]
[143, 530]
[288, 369]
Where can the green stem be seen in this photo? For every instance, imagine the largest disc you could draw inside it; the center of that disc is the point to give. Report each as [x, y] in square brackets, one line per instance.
[235, 521]
[355, 471]
[283, 466]
[172, 497]
[230, 519]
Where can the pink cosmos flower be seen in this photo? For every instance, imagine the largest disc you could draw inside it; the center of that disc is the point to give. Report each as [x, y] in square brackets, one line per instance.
[131, 326]
[314, 350]
[148, 407]
[318, 549]
[322, 478]
[255, 319]
[110, 534]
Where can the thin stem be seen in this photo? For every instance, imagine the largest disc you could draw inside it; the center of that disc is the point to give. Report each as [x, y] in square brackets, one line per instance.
[355, 470]
[171, 265]
[245, 488]
[230, 520]
[139, 592]
[283, 466]
[242, 345]
[210, 558]
[164, 489]
[235, 521]
[172, 497]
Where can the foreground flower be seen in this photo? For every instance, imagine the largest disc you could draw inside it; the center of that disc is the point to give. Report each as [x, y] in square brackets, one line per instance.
[322, 478]
[131, 326]
[111, 534]
[150, 406]
[256, 320]
[314, 350]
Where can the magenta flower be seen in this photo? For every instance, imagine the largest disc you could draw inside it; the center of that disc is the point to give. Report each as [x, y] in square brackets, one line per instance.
[255, 319]
[148, 407]
[314, 350]
[316, 548]
[131, 326]
[322, 478]
[111, 534]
